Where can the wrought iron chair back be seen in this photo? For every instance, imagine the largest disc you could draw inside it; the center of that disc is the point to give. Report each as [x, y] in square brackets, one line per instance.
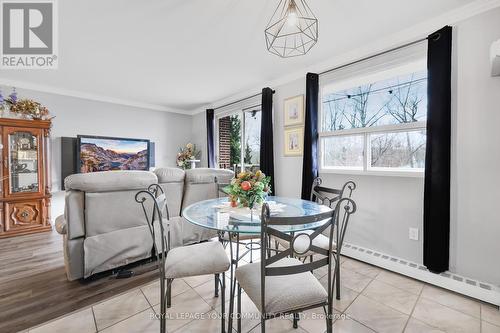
[342, 211]
[328, 196]
[154, 204]
[157, 207]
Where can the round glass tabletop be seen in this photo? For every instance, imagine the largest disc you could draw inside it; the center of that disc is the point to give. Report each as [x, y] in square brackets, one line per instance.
[217, 214]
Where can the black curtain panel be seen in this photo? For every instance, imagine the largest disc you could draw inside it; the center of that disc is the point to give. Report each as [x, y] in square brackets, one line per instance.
[210, 139]
[310, 159]
[437, 155]
[266, 136]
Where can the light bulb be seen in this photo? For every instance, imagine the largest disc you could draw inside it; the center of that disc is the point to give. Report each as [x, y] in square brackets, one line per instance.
[292, 18]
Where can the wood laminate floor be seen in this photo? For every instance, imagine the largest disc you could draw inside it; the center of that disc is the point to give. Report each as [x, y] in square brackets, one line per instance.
[33, 284]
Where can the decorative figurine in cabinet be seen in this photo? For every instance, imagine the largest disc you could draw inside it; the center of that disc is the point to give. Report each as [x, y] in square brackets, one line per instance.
[25, 187]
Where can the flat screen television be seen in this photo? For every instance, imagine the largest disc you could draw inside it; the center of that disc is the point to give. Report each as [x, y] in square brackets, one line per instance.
[99, 153]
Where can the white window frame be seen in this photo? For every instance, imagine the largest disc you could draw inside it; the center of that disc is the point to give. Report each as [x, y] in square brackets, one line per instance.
[367, 169]
[234, 111]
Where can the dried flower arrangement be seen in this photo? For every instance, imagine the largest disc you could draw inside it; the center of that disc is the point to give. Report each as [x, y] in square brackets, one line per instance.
[23, 107]
[186, 154]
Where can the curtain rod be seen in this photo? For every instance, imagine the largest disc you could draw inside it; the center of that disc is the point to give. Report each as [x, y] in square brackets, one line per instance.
[374, 55]
[240, 100]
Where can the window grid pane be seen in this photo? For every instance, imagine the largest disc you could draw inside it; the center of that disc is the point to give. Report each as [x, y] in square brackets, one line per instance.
[397, 150]
[399, 100]
[346, 151]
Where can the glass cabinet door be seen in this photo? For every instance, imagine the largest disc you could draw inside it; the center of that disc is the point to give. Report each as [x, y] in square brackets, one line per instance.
[23, 161]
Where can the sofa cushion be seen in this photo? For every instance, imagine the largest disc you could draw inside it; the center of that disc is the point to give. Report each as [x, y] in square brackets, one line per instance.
[118, 248]
[207, 175]
[175, 226]
[111, 211]
[107, 181]
[172, 182]
[200, 184]
[170, 175]
[73, 257]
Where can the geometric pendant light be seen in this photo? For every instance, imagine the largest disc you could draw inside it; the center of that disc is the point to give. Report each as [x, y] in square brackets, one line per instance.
[292, 30]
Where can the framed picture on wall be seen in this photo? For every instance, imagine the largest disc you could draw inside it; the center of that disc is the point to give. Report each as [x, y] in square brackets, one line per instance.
[294, 111]
[294, 141]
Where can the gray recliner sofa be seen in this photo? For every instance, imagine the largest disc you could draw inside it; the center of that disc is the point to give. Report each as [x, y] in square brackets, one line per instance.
[104, 227]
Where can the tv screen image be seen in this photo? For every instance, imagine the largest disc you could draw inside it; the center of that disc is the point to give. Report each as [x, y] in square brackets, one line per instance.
[105, 154]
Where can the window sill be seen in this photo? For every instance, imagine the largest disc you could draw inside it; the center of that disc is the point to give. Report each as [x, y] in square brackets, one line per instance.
[381, 173]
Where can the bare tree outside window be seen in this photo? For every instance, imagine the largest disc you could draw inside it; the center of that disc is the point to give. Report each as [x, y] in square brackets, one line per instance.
[399, 100]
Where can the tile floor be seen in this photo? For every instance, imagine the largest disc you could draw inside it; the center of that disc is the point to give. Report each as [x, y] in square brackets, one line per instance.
[373, 300]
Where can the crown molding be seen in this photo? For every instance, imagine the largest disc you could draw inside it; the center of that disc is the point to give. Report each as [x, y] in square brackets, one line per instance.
[88, 96]
[402, 37]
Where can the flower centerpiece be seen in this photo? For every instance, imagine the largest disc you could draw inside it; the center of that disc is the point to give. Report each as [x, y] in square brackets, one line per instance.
[186, 154]
[248, 189]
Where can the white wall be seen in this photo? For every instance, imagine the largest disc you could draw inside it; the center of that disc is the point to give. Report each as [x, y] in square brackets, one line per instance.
[199, 135]
[75, 116]
[388, 206]
[475, 227]
[287, 170]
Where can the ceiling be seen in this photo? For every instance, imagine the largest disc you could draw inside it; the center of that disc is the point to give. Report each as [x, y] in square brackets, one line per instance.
[181, 55]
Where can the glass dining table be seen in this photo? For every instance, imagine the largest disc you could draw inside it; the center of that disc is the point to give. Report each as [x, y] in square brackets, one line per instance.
[217, 214]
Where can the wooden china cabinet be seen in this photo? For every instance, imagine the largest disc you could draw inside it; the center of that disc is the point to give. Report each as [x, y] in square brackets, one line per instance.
[25, 172]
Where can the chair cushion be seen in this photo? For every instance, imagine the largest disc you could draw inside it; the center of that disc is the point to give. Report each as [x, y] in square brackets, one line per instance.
[301, 244]
[284, 293]
[197, 259]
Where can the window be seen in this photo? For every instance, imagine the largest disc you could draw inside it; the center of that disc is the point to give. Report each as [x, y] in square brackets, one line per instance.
[375, 124]
[238, 139]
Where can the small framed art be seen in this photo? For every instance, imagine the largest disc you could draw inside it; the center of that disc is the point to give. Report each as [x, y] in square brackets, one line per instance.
[294, 111]
[294, 141]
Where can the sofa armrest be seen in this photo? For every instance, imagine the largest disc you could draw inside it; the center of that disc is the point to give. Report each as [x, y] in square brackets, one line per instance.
[61, 225]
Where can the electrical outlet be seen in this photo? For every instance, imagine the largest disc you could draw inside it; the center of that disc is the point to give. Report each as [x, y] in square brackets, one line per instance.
[413, 234]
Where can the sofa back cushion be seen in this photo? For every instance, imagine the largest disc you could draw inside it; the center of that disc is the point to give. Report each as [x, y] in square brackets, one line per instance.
[110, 211]
[105, 200]
[200, 184]
[109, 181]
[172, 182]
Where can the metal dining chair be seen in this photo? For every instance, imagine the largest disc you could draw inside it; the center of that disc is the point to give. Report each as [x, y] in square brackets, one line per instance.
[329, 197]
[251, 242]
[281, 284]
[180, 262]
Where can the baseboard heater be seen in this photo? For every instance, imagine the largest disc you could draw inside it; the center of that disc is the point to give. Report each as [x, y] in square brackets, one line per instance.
[482, 291]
